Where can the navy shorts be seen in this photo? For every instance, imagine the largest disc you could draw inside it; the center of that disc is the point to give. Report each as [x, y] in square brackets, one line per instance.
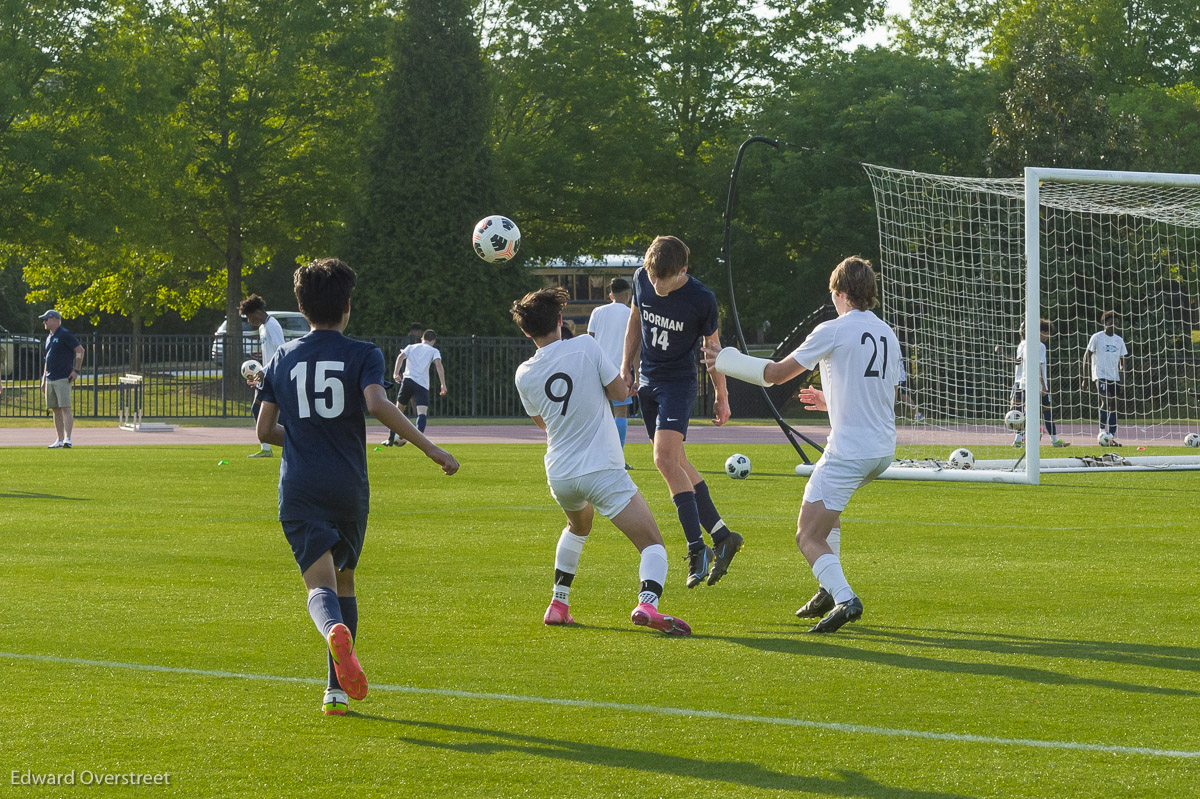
[1108, 388]
[412, 390]
[667, 406]
[312, 539]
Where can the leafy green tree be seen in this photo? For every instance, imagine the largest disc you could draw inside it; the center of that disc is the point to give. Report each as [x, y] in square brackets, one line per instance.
[426, 179]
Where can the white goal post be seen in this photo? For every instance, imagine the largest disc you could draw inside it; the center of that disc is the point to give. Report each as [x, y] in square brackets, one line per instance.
[965, 261]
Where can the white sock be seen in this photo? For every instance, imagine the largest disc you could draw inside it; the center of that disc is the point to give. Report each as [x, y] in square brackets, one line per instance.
[828, 571]
[835, 541]
[653, 568]
[566, 559]
[266, 447]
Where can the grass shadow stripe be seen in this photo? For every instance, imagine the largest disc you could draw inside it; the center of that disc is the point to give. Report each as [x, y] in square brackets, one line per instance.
[830, 726]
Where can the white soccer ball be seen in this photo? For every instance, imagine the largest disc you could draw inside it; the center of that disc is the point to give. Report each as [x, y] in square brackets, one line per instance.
[250, 368]
[961, 458]
[1105, 438]
[496, 238]
[1014, 420]
[737, 467]
[1191, 440]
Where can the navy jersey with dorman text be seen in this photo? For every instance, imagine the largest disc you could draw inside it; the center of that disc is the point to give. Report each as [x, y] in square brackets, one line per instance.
[672, 327]
[318, 381]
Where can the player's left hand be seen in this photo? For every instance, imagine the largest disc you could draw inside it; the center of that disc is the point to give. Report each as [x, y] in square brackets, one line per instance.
[444, 459]
[711, 350]
[720, 411]
[442, 392]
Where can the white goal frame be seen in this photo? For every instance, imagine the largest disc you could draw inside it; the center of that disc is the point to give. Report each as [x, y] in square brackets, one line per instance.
[1029, 468]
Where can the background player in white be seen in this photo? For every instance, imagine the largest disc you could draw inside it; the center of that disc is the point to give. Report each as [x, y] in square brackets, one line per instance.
[566, 387]
[270, 334]
[859, 356]
[1106, 353]
[607, 324]
[1020, 381]
[412, 373]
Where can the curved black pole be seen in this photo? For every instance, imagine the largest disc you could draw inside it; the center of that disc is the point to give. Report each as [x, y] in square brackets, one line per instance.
[791, 433]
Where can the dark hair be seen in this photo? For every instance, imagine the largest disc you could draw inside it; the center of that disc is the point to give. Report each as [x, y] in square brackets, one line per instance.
[429, 335]
[618, 285]
[323, 288]
[537, 312]
[666, 257]
[251, 304]
[856, 279]
[1108, 316]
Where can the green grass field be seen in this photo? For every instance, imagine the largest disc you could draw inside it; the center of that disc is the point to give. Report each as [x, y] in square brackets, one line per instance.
[1017, 641]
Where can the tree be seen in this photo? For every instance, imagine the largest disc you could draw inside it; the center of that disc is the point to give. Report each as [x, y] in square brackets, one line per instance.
[426, 179]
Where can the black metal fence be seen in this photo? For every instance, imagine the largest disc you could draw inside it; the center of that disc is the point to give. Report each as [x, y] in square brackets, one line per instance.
[183, 379]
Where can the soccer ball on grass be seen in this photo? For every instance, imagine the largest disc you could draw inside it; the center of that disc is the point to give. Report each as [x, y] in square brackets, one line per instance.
[1191, 440]
[1105, 438]
[1015, 420]
[737, 467]
[496, 238]
[961, 458]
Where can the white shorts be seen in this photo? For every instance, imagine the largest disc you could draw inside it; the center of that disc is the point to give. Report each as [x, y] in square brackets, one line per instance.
[834, 480]
[610, 491]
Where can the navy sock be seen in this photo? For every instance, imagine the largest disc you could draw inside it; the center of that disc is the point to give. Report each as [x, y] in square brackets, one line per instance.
[708, 513]
[1048, 417]
[1112, 422]
[349, 608]
[324, 609]
[421, 422]
[689, 518]
[1103, 419]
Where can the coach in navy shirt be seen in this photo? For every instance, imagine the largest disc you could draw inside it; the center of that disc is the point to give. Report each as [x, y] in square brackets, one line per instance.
[64, 357]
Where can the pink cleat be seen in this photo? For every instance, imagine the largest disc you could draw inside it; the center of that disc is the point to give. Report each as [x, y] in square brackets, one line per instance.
[558, 613]
[646, 615]
[345, 663]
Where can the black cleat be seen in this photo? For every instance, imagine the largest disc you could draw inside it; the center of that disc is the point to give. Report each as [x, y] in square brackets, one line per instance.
[699, 561]
[844, 613]
[821, 603]
[730, 546]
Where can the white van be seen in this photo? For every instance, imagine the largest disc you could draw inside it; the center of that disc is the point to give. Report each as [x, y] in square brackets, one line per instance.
[293, 323]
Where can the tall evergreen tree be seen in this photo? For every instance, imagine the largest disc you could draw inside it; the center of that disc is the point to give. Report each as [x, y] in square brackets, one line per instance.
[427, 178]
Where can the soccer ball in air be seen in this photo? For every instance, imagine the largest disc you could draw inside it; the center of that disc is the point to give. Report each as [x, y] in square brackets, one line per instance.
[1191, 440]
[496, 238]
[250, 368]
[961, 458]
[1105, 438]
[1014, 420]
[737, 467]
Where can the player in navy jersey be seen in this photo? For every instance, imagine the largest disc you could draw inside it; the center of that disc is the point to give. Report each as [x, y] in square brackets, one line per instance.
[314, 394]
[672, 312]
[859, 358]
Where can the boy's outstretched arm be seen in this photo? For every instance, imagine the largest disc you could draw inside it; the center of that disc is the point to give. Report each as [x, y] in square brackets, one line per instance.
[383, 410]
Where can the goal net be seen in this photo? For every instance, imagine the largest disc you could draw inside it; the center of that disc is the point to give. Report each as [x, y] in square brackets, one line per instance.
[966, 261]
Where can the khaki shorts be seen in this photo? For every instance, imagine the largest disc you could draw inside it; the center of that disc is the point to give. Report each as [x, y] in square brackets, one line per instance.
[58, 393]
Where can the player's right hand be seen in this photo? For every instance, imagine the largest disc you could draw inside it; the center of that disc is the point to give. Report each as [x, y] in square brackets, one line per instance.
[444, 459]
[813, 399]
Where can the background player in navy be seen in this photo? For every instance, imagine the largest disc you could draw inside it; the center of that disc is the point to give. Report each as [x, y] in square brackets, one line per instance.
[672, 312]
[313, 396]
[64, 358]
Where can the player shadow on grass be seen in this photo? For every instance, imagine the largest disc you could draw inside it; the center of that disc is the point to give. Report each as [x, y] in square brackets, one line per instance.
[1177, 658]
[751, 775]
[33, 495]
[841, 646]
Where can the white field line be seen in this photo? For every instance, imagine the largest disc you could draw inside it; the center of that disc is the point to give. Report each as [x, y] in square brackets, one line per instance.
[651, 710]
